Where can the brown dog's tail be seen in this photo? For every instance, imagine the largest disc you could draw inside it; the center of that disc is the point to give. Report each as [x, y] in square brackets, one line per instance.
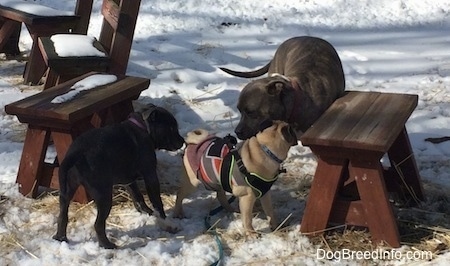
[197, 136]
[249, 74]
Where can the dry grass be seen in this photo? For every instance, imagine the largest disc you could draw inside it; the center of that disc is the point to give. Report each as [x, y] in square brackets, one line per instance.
[421, 228]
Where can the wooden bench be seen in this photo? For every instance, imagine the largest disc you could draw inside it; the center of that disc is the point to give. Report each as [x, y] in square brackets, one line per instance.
[350, 185]
[63, 122]
[38, 25]
[116, 39]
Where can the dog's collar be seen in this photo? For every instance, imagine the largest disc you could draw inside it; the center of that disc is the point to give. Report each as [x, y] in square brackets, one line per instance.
[271, 154]
[138, 122]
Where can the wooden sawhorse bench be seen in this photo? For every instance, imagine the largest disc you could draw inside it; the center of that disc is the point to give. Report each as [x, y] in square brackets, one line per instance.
[350, 185]
[38, 25]
[63, 122]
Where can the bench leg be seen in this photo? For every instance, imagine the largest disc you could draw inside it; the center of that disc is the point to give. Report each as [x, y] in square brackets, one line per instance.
[35, 67]
[62, 143]
[402, 158]
[9, 36]
[32, 160]
[375, 201]
[326, 183]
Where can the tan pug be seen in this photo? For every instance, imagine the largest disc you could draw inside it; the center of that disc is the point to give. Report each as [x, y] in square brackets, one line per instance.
[247, 171]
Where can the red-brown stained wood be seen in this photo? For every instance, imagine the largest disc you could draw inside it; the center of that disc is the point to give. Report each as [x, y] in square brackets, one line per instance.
[362, 120]
[9, 36]
[30, 167]
[354, 134]
[322, 195]
[38, 109]
[402, 157]
[115, 40]
[376, 206]
[41, 26]
[63, 122]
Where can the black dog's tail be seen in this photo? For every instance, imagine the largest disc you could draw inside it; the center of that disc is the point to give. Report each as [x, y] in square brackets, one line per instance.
[249, 74]
[66, 165]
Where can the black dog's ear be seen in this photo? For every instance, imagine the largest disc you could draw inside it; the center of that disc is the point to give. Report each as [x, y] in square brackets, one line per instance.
[148, 113]
[289, 135]
[265, 124]
[275, 88]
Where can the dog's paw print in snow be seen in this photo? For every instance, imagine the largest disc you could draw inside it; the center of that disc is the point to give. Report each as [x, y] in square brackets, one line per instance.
[176, 77]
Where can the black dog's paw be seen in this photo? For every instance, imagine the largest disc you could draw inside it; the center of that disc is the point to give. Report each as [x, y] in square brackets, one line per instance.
[61, 238]
[107, 245]
[143, 208]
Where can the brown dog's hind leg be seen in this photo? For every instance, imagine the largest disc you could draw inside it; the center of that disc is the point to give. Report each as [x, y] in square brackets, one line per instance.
[189, 184]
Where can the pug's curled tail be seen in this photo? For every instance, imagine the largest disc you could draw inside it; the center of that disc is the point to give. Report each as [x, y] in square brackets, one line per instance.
[197, 136]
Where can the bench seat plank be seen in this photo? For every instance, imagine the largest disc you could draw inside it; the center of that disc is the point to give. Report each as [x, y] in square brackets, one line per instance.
[362, 120]
[33, 19]
[38, 109]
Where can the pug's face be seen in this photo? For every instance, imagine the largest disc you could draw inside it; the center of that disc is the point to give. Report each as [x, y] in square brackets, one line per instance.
[278, 136]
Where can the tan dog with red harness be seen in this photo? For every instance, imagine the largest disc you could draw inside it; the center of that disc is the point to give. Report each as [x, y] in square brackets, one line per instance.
[247, 171]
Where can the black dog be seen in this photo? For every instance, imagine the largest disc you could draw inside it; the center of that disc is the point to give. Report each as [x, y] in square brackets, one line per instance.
[117, 154]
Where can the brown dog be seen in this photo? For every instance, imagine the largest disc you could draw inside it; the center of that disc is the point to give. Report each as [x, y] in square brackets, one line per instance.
[247, 172]
[305, 77]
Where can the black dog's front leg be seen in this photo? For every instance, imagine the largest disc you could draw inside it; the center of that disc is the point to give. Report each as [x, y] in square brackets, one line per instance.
[138, 199]
[154, 193]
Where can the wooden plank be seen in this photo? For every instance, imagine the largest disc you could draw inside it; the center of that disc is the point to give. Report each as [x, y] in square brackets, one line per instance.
[368, 174]
[348, 213]
[324, 188]
[334, 125]
[111, 13]
[54, 60]
[31, 19]
[120, 47]
[9, 36]
[362, 120]
[38, 108]
[382, 122]
[35, 101]
[402, 159]
[32, 160]
[83, 9]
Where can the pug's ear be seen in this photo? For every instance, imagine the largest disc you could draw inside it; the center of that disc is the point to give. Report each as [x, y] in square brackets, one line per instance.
[265, 124]
[289, 135]
[275, 88]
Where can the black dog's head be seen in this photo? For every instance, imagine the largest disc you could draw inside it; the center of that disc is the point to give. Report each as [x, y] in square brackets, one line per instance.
[163, 129]
[261, 100]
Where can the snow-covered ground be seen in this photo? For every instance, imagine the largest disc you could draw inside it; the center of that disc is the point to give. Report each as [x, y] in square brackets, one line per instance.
[390, 46]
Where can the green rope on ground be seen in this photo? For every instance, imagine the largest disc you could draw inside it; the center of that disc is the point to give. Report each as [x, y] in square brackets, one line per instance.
[214, 232]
